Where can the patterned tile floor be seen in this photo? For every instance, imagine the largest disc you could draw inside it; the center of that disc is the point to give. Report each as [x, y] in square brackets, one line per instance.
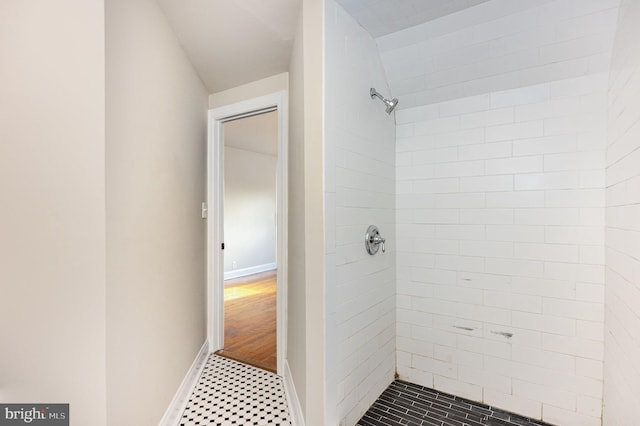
[406, 404]
[230, 393]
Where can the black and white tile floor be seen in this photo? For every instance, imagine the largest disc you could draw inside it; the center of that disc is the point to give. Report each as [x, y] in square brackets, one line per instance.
[406, 404]
[230, 393]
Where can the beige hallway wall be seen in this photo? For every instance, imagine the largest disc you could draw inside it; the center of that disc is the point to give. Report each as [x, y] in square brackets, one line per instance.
[156, 168]
[52, 220]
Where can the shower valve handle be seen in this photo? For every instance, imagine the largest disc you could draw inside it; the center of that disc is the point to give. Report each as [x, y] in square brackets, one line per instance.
[373, 240]
[377, 239]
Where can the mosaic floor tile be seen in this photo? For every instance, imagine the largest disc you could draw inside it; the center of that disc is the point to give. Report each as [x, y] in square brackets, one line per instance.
[230, 393]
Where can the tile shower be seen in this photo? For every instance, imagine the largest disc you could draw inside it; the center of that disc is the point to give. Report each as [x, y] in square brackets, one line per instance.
[508, 173]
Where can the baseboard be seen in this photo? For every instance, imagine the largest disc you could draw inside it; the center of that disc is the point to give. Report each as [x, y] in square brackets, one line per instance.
[237, 273]
[181, 398]
[295, 410]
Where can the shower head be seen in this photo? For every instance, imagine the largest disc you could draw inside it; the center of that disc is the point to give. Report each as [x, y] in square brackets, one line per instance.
[391, 104]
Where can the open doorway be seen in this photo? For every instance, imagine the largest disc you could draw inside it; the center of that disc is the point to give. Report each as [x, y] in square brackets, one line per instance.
[247, 231]
[250, 229]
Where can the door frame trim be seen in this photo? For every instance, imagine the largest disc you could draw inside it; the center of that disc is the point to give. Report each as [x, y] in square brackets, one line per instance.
[215, 223]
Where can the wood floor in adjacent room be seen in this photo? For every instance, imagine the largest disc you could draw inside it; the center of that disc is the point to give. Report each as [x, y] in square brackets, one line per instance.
[250, 320]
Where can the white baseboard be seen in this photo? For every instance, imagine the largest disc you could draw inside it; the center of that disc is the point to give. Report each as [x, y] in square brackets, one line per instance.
[295, 410]
[181, 398]
[237, 273]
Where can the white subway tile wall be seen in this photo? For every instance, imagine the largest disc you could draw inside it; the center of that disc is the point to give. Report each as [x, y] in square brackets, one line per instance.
[359, 191]
[622, 316]
[501, 204]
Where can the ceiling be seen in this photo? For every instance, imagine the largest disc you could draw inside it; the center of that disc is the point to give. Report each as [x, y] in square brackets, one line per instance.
[234, 42]
[257, 133]
[382, 17]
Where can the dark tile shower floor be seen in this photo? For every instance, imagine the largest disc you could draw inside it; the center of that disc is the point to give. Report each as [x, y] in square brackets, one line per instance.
[406, 404]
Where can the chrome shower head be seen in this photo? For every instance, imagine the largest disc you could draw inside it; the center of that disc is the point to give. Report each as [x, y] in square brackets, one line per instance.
[391, 104]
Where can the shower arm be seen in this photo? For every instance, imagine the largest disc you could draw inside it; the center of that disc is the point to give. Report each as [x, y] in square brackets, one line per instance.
[373, 92]
[390, 104]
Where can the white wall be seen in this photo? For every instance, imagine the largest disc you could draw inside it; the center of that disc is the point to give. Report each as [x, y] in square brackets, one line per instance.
[313, 28]
[249, 209]
[296, 299]
[156, 175]
[359, 191]
[266, 86]
[622, 314]
[52, 220]
[501, 206]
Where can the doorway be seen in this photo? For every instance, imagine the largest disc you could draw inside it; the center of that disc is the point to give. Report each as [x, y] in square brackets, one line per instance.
[250, 229]
[247, 231]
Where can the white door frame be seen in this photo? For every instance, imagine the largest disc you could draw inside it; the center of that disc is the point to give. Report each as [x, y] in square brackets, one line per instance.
[215, 222]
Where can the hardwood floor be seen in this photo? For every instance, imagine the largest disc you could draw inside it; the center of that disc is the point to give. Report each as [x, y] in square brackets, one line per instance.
[250, 320]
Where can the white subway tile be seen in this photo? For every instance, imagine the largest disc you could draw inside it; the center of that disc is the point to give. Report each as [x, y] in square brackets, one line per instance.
[488, 117]
[521, 233]
[547, 109]
[554, 252]
[589, 368]
[524, 406]
[412, 115]
[545, 323]
[435, 126]
[468, 200]
[457, 387]
[590, 311]
[545, 145]
[575, 198]
[588, 292]
[486, 184]
[435, 186]
[458, 138]
[464, 106]
[516, 131]
[515, 199]
[566, 416]
[576, 48]
[592, 255]
[592, 330]
[552, 180]
[590, 406]
[460, 232]
[544, 360]
[457, 356]
[547, 216]
[527, 268]
[487, 380]
[459, 169]
[544, 394]
[486, 216]
[485, 151]
[574, 161]
[544, 287]
[585, 348]
[520, 96]
[435, 216]
[515, 165]
[434, 366]
[434, 156]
